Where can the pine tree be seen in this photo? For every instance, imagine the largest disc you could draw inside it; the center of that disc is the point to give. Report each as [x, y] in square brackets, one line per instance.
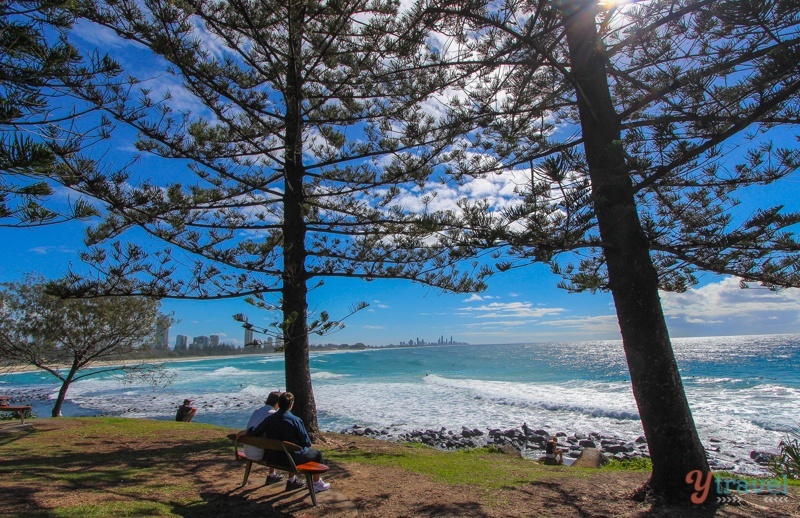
[628, 120]
[308, 128]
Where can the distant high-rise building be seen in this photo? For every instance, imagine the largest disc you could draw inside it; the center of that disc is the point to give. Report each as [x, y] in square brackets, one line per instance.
[181, 342]
[162, 332]
[201, 341]
[214, 340]
[248, 337]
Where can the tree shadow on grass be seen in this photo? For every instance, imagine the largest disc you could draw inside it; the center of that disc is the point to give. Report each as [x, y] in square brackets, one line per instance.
[553, 495]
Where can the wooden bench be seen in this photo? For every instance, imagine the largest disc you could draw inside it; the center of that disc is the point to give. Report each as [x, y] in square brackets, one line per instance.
[19, 409]
[309, 469]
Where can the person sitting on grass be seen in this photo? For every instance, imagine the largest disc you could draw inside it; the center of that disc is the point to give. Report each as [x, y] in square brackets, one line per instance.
[553, 452]
[186, 411]
[283, 425]
[253, 452]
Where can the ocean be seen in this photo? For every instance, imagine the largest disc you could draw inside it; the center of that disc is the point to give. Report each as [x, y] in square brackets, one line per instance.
[744, 391]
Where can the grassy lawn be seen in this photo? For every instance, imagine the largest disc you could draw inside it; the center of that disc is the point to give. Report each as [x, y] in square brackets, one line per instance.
[99, 467]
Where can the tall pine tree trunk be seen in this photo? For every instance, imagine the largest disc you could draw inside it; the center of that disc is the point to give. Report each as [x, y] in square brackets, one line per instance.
[675, 447]
[295, 276]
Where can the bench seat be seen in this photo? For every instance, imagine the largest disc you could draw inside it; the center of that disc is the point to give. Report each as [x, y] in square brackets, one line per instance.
[19, 409]
[309, 469]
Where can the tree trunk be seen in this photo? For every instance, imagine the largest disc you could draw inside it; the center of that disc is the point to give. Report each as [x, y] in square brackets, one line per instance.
[62, 392]
[295, 276]
[675, 447]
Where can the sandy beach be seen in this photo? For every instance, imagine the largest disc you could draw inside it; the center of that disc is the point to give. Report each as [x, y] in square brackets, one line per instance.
[156, 361]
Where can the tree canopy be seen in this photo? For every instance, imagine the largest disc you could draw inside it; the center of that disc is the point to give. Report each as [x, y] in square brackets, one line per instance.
[38, 66]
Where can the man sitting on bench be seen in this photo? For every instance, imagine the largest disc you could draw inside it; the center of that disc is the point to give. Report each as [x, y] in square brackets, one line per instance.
[285, 426]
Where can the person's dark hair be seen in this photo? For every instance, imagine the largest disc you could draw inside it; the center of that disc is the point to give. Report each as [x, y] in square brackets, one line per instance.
[272, 399]
[285, 401]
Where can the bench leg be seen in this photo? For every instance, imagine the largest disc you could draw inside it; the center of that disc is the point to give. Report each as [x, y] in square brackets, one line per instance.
[247, 472]
[310, 484]
[21, 416]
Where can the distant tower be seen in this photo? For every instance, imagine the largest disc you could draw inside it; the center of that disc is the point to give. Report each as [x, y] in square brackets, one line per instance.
[181, 342]
[214, 340]
[248, 337]
[162, 332]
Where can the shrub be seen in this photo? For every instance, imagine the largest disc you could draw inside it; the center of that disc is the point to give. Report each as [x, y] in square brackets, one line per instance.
[787, 462]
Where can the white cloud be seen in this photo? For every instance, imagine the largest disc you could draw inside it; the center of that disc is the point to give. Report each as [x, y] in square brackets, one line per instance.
[725, 299]
[724, 308]
[45, 250]
[524, 310]
[474, 297]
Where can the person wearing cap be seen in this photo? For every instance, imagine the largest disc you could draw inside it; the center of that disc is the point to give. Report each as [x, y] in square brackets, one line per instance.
[186, 411]
[254, 453]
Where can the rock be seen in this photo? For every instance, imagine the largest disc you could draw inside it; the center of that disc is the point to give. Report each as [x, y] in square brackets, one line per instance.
[616, 448]
[541, 432]
[589, 458]
[641, 440]
[510, 450]
[586, 443]
[761, 457]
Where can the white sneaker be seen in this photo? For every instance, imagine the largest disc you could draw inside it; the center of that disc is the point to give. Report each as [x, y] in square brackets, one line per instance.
[320, 486]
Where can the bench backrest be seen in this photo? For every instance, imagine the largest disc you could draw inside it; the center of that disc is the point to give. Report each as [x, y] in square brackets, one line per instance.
[266, 444]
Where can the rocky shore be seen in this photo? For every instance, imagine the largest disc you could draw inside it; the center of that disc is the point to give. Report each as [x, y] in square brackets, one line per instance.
[530, 443]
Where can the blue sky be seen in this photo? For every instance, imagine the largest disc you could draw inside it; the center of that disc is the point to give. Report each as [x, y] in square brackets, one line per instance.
[521, 305]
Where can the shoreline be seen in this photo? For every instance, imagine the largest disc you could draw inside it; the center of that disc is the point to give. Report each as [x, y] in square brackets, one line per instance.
[20, 369]
[226, 396]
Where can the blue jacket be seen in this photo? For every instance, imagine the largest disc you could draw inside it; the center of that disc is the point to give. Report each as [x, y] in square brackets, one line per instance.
[284, 426]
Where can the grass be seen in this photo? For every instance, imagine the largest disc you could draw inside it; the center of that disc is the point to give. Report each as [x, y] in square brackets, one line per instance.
[635, 464]
[487, 468]
[85, 467]
[88, 462]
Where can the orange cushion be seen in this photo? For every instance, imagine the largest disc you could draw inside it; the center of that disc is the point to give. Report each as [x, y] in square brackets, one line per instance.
[312, 467]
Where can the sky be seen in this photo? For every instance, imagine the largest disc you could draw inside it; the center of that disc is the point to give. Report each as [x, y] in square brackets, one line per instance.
[521, 305]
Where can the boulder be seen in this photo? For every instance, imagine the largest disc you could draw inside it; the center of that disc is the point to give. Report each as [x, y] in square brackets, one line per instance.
[510, 450]
[589, 458]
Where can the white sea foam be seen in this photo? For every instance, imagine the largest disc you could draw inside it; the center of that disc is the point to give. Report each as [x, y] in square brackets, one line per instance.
[325, 375]
[227, 371]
